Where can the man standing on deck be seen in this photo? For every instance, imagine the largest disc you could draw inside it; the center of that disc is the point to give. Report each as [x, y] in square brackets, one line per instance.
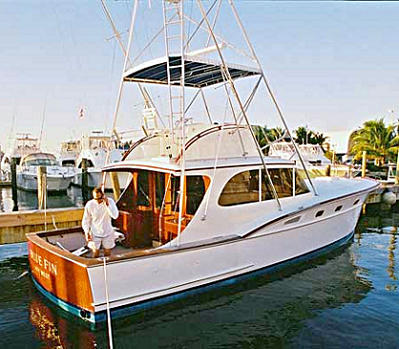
[97, 225]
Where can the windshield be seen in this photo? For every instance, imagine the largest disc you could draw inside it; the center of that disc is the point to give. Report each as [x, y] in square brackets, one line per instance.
[41, 162]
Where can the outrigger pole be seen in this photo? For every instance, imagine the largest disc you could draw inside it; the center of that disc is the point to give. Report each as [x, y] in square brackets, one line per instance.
[117, 35]
[226, 73]
[271, 94]
[118, 102]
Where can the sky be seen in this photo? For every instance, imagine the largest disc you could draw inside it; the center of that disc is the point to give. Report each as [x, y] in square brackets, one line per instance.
[332, 65]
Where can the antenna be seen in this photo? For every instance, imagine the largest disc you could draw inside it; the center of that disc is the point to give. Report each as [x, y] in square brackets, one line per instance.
[42, 127]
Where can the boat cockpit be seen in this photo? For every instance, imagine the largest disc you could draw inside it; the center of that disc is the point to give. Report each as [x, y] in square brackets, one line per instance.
[149, 205]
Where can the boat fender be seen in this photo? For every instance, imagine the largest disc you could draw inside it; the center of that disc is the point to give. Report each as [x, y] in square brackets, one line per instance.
[389, 198]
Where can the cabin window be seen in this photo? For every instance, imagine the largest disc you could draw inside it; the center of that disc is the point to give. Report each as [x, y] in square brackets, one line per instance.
[159, 189]
[300, 185]
[244, 187]
[319, 213]
[241, 189]
[195, 193]
[175, 185]
[68, 163]
[143, 189]
[338, 208]
[282, 180]
[356, 202]
[89, 163]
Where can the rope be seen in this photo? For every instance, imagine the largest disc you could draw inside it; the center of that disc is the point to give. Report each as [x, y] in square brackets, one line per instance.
[111, 345]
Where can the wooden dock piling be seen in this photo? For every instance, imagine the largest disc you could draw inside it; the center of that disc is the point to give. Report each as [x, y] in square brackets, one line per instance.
[364, 163]
[14, 183]
[85, 182]
[42, 187]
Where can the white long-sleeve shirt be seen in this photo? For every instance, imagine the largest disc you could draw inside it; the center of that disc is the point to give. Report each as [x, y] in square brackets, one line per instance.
[97, 218]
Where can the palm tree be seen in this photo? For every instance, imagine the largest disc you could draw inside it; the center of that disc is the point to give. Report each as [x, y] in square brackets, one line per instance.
[318, 138]
[380, 142]
[266, 135]
[302, 135]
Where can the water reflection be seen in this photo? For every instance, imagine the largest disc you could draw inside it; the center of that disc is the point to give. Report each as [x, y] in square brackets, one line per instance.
[270, 310]
[28, 200]
[55, 331]
[383, 222]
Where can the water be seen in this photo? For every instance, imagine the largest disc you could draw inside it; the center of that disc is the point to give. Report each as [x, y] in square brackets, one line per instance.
[28, 200]
[348, 298]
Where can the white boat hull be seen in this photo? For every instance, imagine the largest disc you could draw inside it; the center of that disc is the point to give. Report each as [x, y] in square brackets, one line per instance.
[27, 181]
[161, 275]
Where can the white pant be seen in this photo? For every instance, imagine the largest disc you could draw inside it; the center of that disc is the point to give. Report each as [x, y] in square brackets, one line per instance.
[108, 242]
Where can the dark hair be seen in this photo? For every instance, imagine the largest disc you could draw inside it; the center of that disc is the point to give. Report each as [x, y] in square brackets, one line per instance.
[98, 190]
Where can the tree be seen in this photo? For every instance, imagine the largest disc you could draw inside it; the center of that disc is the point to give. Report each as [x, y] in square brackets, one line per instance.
[380, 142]
[305, 136]
[302, 135]
[266, 135]
[318, 138]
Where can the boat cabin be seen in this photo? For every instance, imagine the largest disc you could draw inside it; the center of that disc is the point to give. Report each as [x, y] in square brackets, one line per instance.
[230, 186]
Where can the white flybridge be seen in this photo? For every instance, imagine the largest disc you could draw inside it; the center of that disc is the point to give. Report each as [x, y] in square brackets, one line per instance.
[204, 206]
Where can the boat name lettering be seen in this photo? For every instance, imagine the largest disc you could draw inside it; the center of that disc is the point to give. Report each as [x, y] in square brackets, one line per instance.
[43, 264]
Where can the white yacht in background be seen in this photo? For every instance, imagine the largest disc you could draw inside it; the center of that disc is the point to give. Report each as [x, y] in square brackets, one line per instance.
[313, 155]
[69, 153]
[204, 206]
[58, 178]
[24, 144]
[98, 150]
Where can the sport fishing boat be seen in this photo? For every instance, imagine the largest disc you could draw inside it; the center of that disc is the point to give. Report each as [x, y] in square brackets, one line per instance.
[69, 153]
[24, 144]
[97, 149]
[58, 178]
[204, 206]
[313, 155]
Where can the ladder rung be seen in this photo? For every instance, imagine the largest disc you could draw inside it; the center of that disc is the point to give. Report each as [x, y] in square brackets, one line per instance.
[170, 7]
[174, 37]
[174, 22]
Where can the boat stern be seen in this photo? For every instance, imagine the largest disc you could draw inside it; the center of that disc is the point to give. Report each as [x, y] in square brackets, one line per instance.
[60, 277]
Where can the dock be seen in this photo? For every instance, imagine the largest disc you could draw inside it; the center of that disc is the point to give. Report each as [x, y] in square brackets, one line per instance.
[376, 196]
[15, 225]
